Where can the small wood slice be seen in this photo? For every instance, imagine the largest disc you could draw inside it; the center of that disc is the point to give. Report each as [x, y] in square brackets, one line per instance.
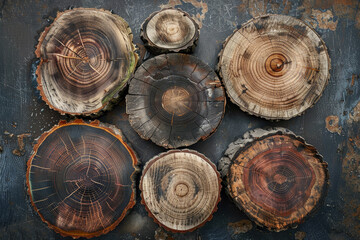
[169, 30]
[180, 189]
[274, 67]
[81, 178]
[87, 57]
[274, 177]
[175, 100]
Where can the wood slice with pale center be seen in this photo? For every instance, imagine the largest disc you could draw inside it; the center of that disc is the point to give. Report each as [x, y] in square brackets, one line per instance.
[274, 67]
[81, 178]
[180, 189]
[175, 100]
[86, 58]
[169, 30]
[274, 177]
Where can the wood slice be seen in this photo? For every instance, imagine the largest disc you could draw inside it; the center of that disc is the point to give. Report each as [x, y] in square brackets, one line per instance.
[175, 100]
[81, 178]
[169, 30]
[274, 67]
[274, 177]
[180, 189]
[87, 57]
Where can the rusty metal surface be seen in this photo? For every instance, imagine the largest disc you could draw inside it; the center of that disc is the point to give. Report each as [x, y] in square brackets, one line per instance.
[332, 125]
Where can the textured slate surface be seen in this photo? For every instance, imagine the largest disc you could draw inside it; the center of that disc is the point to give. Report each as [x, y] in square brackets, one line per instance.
[22, 111]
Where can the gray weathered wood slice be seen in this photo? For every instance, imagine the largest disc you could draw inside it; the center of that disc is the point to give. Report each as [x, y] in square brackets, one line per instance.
[169, 30]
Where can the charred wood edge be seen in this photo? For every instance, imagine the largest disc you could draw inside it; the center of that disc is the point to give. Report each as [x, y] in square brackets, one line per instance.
[245, 142]
[154, 49]
[113, 96]
[218, 68]
[152, 161]
[117, 134]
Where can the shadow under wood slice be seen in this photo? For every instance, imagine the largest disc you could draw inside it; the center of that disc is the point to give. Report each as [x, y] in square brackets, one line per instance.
[81, 178]
[175, 100]
[180, 189]
[274, 177]
[274, 67]
[87, 57]
[169, 30]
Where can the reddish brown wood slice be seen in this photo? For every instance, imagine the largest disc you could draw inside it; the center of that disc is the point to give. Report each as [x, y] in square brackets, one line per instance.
[175, 100]
[274, 67]
[169, 30]
[81, 178]
[86, 58]
[274, 177]
[180, 189]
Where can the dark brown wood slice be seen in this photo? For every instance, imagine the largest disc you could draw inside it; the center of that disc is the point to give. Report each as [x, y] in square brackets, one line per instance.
[86, 58]
[274, 177]
[81, 178]
[175, 100]
[274, 67]
[169, 30]
[180, 189]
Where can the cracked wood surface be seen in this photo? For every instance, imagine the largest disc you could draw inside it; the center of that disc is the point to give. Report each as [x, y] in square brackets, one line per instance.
[274, 177]
[81, 178]
[180, 189]
[87, 57]
[175, 100]
[274, 66]
[169, 30]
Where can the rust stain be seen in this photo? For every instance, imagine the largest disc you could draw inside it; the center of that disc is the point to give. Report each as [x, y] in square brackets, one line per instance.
[354, 76]
[260, 7]
[325, 20]
[20, 151]
[332, 124]
[354, 115]
[254, 7]
[243, 226]
[199, 17]
[300, 235]
[340, 8]
[350, 190]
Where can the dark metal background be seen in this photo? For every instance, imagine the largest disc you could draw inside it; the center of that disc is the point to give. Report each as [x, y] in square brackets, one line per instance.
[22, 111]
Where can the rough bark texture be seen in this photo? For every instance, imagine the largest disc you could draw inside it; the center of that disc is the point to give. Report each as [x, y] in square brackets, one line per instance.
[86, 58]
[180, 189]
[175, 100]
[274, 177]
[274, 67]
[81, 178]
[169, 30]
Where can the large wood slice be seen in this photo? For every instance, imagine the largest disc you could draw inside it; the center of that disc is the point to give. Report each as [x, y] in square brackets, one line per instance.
[81, 178]
[274, 67]
[274, 177]
[87, 57]
[175, 100]
[170, 30]
[180, 189]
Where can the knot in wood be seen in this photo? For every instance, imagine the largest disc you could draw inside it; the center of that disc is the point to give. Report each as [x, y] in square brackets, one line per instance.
[274, 65]
[181, 190]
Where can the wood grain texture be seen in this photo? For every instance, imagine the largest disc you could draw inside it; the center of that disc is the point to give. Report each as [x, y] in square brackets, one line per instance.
[86, 58]
[274, 177]
[169, 30]
[175, 100]
[81, 178]
[180, 189]
[274, 66]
